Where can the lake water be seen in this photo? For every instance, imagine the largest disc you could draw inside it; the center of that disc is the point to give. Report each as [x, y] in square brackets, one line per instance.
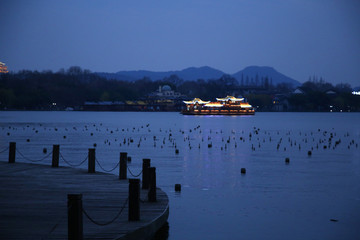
[312, 197]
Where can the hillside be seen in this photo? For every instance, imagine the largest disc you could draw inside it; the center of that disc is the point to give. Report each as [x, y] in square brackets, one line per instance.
[257, 74]
[250, 74]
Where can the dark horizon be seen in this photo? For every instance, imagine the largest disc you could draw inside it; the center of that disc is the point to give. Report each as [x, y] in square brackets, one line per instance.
[122, 75]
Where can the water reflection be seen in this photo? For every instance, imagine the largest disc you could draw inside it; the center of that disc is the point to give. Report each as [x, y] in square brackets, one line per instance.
[216, 201]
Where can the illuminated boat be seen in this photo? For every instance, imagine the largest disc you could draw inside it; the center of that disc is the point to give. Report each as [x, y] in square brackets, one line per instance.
[223, 106]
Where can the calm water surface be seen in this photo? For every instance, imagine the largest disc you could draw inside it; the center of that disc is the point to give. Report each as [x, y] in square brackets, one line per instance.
[273, 200]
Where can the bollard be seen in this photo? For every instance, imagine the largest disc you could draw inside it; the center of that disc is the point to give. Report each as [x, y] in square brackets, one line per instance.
[287, 160]
[152, 184]
[243, 170]
[75, 221]
[177, 187]
[91, 160]
[12, 149]
[129, 159]
[55, 156]
[123, 166]
[145, 173]
[134, 199]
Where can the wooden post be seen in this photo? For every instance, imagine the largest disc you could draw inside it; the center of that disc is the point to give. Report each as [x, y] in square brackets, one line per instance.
[145, 173]
[152, 184]
[91, 160]
[55, 156]
[123, 166]
[75, 221]
[134, 199]
[12, 149]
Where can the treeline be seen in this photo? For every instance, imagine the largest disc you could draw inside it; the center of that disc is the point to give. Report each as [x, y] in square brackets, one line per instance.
[32, 90]
[70, 88]
[318, 95]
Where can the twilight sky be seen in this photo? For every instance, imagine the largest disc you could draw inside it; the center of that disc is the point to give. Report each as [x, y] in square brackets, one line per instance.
[298, 38]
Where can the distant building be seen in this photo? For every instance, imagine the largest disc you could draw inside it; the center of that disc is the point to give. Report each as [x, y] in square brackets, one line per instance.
[281, 103]
[298, 91]
[356, 91]
[3, 68]
[331, 92]
[165, 92]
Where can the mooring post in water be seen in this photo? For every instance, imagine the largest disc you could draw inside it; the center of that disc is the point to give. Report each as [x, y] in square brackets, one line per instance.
[55, 156]
[91, 160]
[134, 199]
[75, 220]
[123, 166]
[145, 173]
[152, 184]
[12, 149]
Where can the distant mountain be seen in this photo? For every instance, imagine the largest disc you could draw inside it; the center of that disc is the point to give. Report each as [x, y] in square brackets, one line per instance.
[116, 76]
[206, 73]
[254, 73]
[191, 73]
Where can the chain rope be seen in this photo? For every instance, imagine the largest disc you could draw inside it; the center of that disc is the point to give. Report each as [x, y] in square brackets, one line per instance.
[109, 222]
[134, 174]
[73, 165]
[105, 170]
[32, 160]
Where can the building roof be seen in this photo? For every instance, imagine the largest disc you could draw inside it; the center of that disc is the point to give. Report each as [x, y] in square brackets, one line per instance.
[3, 68]
[196, 100]
[298, 91]
[232, 98]
[330, 92]
[166, 88]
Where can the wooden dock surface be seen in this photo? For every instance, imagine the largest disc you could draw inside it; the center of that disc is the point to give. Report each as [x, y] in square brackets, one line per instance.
[33, 204]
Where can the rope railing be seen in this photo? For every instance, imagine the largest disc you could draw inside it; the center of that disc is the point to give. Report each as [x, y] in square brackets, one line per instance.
[4, 150]
[73, 165]
[134, 174]
[105, 170]
[109, 222]
[32, 160]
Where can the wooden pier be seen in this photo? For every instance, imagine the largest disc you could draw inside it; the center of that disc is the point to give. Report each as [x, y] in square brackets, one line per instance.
[33, 204]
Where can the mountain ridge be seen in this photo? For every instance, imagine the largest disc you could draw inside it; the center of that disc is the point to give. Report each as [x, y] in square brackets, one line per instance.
[250, 74]
[260, 74]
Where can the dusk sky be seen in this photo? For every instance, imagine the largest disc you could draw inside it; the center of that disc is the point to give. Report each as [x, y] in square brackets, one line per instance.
[299, 38]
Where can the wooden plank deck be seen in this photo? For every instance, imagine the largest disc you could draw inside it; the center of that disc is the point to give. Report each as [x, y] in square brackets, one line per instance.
[33, 204]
